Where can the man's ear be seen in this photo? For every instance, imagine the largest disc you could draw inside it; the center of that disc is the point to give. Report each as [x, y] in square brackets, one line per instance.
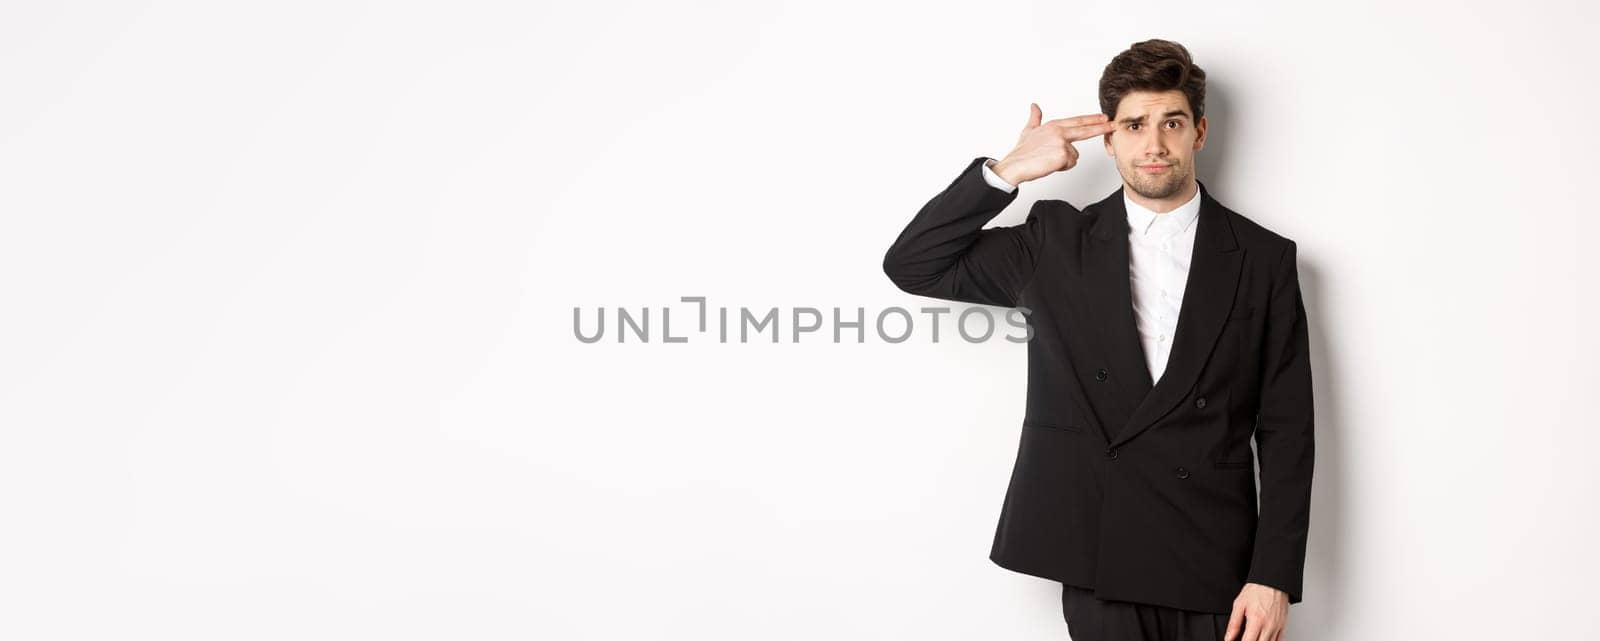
[1106, 138]
[1200, 134]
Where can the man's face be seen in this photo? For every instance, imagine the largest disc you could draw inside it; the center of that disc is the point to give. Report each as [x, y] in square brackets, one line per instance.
[1155, 141]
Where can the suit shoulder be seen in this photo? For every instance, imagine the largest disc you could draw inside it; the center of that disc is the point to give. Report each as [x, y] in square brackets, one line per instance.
[1061, 213]
[1253, 234]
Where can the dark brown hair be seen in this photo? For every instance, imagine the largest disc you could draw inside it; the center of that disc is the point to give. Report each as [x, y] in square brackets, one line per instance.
[1153, 65]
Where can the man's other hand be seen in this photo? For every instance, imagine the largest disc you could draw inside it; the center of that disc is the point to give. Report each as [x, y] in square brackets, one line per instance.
[1264, 610]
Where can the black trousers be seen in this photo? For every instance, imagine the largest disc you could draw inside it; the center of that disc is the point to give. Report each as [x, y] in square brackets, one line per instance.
[1090, 618]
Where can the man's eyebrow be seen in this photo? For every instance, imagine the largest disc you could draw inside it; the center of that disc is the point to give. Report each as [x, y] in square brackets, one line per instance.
[1140, 119]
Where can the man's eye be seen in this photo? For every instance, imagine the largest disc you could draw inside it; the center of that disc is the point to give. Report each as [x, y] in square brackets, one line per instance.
[1174, 122]
[1133, 126]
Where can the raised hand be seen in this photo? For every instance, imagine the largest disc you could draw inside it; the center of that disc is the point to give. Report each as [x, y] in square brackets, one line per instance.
[1046, 147]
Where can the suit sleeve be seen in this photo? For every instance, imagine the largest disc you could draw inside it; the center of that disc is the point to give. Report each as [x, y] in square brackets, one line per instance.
[945, 253]
[1284, 438]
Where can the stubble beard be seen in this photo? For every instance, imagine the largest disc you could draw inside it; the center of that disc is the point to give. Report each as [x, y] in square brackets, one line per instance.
[1157, 186]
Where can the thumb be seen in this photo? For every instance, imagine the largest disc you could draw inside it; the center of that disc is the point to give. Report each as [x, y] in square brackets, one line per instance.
[1034, 115]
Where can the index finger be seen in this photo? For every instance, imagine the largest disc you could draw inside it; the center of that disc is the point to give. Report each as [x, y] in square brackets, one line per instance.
[1085, 132]
[1074, 121]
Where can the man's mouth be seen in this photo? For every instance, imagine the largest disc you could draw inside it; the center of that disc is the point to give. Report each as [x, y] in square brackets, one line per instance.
[1154, 168]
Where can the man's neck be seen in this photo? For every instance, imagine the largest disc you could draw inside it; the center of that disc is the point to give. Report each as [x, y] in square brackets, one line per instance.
[1162, 205]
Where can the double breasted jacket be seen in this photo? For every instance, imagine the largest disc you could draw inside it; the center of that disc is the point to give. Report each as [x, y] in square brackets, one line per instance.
[1141, 491]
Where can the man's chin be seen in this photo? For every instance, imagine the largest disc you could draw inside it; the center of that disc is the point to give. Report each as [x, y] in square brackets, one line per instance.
[1164, 189]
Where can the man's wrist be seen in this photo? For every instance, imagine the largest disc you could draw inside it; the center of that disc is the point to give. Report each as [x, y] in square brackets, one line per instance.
[992, 175]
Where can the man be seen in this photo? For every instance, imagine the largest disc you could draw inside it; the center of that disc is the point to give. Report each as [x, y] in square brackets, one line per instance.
[1168, 331]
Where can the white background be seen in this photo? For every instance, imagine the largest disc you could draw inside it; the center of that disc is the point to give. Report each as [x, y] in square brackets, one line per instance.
[288, 292]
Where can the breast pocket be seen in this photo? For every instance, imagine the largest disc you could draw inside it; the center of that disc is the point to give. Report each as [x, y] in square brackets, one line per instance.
[1053, 425]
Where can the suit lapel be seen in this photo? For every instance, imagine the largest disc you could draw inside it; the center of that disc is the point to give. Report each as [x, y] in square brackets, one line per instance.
[1213, 276]
[1111, 304]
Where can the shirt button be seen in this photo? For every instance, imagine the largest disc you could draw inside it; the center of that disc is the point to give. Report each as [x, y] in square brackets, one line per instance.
[1183, 473]
[1100, 375]
[1200, 402]
[1111, 453]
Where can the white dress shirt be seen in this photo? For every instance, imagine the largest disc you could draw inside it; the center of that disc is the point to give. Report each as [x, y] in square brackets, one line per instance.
[1159, 249]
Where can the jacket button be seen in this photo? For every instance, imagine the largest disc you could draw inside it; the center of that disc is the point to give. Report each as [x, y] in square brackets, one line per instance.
[1200, 402]
[1183, 473]
[1100, 375]
[1111, 453]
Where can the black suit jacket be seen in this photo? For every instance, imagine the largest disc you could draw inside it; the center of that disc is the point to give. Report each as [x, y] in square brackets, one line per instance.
[1143, 492]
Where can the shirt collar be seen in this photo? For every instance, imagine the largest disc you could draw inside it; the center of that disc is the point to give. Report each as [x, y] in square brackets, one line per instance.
[1140, 220]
